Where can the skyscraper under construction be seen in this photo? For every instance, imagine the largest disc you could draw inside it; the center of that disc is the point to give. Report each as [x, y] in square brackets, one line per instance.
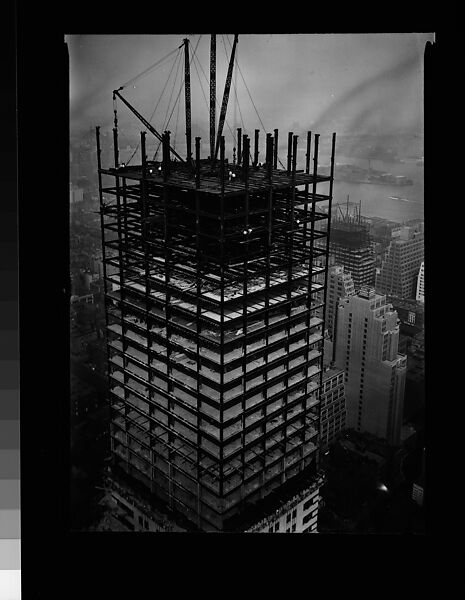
[214, 343]
[351, 246]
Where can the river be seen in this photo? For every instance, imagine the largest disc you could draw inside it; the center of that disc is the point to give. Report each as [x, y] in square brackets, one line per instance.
[375, 199]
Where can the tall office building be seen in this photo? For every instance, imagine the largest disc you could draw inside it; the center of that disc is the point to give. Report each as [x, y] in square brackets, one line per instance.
[333, 407]
[367, 349]
[340, 285]
[351, 247]
[399, 271]
[215, 349]
[420, 295]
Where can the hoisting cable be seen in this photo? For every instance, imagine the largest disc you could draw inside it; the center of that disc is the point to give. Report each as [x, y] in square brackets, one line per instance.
[253, 103]
[237, 101]
[166, 119]
[176, 128]
[177, 98]
[159, 99]
[176, 102]
[146, 71]
[171, 96]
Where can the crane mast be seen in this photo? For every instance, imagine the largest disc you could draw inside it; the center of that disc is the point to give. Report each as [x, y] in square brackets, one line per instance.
[187, 88]
[212, 93]
[224, 104]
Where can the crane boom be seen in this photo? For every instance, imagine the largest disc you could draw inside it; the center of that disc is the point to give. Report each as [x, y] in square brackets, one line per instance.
[145, 122]
[227, 87]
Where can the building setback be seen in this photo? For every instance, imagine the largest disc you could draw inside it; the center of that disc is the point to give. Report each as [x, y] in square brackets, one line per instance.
[215, 346]
[420, 295]
[399, 271]
[367, 349]
[340, 285]
[333, 407]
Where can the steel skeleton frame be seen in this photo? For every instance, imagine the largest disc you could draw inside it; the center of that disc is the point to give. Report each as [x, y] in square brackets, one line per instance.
[214, 349]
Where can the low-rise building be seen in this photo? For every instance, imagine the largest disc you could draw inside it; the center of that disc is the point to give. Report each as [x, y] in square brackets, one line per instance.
[297, 515]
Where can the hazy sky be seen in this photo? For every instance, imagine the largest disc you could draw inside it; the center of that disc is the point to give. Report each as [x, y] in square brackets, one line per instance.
[358, 83]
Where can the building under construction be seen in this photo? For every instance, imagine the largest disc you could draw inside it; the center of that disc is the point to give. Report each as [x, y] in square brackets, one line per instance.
[214, 346]
[351, 245]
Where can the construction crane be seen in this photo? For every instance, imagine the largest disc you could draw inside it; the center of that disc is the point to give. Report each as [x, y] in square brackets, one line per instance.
[224, 105]
[144, 121]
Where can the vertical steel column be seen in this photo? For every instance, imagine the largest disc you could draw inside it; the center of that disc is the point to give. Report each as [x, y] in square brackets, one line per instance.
[239, 145]
[314, 184]
[222, 259]
[256, 151]
[197, 162]
[121, 283]
[244, 302]
[290, 250]
[145, 228]
[289, 152]
[166, 155]
[245, 160]
[330, 194]
[269, 156]
[275, 157]
[187, 87]
[312, 243]
[167, 248]
[294, 170]
[270, 202]
[267, 304]
[222, 163]
[125, 211]
[198, 331]
[308, 250]
[115, 147]
[292, 219]
[212, 94]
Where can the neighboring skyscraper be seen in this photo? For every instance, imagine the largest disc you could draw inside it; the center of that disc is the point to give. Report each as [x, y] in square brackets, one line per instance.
[215, 349]
[420, 296]
[340, 285]
[333, 407]
[398, 274]
[367, 349]
[351, 247]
